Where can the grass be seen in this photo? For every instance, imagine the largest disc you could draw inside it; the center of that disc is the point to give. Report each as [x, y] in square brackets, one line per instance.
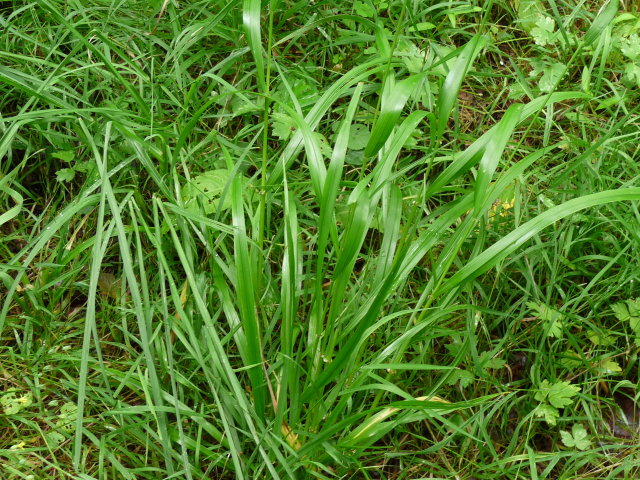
[390, 240]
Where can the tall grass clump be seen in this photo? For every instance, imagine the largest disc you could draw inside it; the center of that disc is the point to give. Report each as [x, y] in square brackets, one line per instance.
[277, 240]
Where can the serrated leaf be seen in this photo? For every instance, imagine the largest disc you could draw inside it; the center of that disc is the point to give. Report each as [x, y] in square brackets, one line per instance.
[413, 57]
[487, 361]
[325, 148]
[282, 125]
[632, 75]
[528, 13]
[601, 340]
[435, 61]
[67, 418]
[628, 311]
[464, 377]
[553, 319]
[578, 438]
[364, 9]
[207, 188]
[571, 359]
[81, 166]
[630, 46]
[550, 77]
[358, 136]
[537, 66]
[65, 174]
[554, 329]
[621, 311]
[12, 402]
[542, 33]
[421, 27]
[55, 437]
[546, 411]
[544, 312]
[609, 367]
[65, 155]
[558, 394]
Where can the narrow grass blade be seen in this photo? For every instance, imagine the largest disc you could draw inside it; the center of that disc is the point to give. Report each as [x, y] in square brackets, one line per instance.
[27, 256]
[90, 318]
[340, 88]
[131, 90]
[12, 212]
[141, 309]
[465, 160]
[514, 240]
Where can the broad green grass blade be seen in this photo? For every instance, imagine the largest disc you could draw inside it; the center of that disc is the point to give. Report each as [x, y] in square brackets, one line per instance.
[392, 214]
[90, 320]
[291, 265]
[327, 225]
[602, 21]
[394, 97]
[381, 174]
[493, 152]
[251, 20]
[317, 168]
[246, 299]
[451, 86]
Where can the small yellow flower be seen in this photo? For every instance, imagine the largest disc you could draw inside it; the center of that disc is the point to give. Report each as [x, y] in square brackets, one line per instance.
[506, 206]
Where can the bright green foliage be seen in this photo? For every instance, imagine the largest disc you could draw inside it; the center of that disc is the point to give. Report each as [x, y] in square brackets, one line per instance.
[528, 13]
[558, 394]
[13, 402]
[464, 378]
[65, 174]
[552, 397]
[358, 136]
[283, 125]
[364, 8]
[206, 189]
[551, 71]
[548, 413]
[629, 312]
[578, 438]
[552, 319]
[332, 240]
[609, 367]
[65, 423]
[543, 33]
